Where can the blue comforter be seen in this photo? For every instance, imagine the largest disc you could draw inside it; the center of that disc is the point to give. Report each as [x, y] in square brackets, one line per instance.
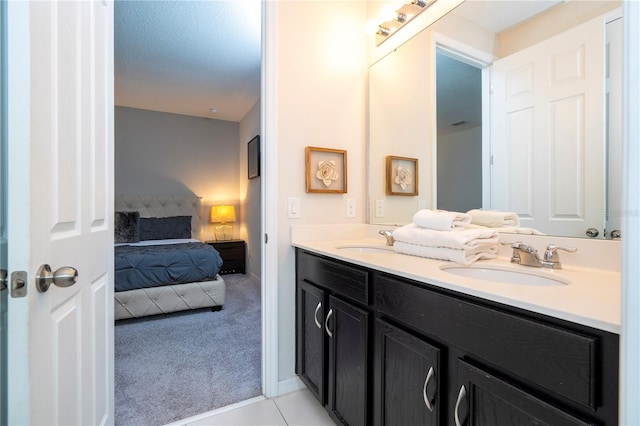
[151, 266]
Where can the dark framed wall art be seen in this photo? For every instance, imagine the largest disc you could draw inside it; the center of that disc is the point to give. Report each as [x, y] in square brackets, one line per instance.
[253, 157]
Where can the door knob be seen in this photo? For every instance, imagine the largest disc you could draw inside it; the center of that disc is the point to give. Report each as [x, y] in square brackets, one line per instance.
[62, 277]
[592, 232]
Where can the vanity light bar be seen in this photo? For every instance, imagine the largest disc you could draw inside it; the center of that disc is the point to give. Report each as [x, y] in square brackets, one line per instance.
[403, 15]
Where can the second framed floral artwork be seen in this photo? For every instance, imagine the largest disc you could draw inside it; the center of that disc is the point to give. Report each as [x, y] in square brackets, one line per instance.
[326, 170]
[402, 176]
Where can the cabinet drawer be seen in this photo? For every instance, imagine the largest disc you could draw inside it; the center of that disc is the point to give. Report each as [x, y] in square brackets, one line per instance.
[557, 359]
[348, 281]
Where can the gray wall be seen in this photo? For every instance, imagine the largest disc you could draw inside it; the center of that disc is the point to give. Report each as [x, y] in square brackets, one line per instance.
[250, 193]
[460, 170]
[162, 153]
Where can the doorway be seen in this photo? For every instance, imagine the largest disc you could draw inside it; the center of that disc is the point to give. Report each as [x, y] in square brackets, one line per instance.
[255, 255]
[459, 133]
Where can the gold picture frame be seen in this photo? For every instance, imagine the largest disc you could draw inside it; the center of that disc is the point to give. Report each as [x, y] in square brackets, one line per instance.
[402, 176]
[326, 170]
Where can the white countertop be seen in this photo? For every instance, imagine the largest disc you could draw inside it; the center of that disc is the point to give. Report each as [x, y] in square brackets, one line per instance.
[591, 298]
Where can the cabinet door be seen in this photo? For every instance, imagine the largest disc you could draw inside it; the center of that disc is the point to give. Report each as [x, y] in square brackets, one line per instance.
[310, 339]
[483, 399]
[347, 328]
[406, 378]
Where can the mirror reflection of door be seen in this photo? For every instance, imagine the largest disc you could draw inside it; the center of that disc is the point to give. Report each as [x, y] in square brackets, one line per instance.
[459, 141]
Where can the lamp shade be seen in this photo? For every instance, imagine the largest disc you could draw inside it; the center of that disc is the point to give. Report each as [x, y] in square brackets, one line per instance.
[222, 214]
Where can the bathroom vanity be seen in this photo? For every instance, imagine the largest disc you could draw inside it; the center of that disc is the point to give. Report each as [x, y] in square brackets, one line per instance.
[388, 339]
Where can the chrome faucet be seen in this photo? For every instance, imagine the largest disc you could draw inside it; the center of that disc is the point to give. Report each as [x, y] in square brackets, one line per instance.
[388, 234]
[524, 254]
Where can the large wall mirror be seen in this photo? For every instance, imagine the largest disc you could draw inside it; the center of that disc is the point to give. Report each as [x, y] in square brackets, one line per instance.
[512, 106]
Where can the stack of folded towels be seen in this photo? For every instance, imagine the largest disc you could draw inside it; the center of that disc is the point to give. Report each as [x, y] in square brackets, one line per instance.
[506, 221]
[443, 235]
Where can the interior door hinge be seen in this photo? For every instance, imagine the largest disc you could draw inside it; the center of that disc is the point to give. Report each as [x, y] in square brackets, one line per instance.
[266, 238]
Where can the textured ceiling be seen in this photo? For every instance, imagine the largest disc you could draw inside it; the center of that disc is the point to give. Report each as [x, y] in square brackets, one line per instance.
[186, 57]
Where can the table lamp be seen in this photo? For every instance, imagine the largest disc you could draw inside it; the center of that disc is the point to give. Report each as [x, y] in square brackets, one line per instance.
[224, 216]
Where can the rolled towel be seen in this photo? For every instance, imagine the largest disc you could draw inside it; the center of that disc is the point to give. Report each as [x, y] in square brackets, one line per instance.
[493, 218]
[465, 257]
[441, 220]
[463, 239]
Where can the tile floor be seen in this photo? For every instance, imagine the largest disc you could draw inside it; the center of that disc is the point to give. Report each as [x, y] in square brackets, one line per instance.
[298, 408]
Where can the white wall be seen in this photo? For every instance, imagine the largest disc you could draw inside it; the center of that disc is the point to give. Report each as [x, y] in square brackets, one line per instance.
[162, 153]
[320, 100]
[250, 205]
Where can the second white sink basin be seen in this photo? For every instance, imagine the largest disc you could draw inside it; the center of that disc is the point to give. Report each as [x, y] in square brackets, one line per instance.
[363, 248]
[506, 274]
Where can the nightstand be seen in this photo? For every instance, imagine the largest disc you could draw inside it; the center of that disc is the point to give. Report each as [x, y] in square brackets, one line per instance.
[233, 256]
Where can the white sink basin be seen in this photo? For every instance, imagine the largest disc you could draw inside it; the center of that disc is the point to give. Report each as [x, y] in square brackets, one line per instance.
[506, 274]
[361, 248]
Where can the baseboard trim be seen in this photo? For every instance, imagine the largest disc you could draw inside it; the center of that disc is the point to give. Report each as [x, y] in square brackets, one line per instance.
[290, 385]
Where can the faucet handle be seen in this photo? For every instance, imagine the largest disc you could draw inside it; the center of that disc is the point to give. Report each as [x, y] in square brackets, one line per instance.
[515, 245]
[551, 255]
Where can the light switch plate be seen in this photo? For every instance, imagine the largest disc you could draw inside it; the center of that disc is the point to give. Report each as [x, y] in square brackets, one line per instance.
[350, 208]
[293, 212]
[379, 208]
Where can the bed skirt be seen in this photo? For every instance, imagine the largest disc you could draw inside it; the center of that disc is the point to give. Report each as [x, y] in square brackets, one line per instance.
[171, 298]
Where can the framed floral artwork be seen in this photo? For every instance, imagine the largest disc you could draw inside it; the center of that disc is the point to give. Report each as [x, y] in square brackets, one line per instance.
[402, 176]
[326, 170]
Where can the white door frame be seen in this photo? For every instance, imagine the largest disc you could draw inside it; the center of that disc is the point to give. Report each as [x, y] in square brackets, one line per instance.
[630, 335]
[269, 191]
[482, 60]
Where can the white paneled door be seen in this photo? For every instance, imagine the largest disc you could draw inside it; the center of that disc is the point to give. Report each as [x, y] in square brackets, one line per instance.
[548, 132]
[60, 210]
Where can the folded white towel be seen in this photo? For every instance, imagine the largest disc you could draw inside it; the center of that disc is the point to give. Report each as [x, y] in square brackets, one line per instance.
[519, 230]
[441, 220]
[463, 239]
[507, 229]
[465, 257]
[493, 219]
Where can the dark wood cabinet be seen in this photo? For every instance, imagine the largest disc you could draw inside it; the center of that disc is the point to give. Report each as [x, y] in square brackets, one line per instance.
[485, 400]
[311, 358]
[233, 256]
[348, 328]
[332, 338]
[407, 379]
[438, 357]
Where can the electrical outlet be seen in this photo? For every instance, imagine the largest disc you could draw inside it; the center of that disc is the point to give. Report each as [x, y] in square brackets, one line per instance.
[422, 204]
[294, 208]
[379, 208]
[350, 208]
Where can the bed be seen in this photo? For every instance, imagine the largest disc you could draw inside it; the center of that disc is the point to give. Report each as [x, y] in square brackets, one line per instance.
[160, 264]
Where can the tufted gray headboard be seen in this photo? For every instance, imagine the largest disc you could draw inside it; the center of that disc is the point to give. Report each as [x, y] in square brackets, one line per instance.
[165, 206]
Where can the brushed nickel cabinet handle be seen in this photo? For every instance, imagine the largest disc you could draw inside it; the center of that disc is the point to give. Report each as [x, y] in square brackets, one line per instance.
[427, 402]
[456, 414]
[315, 315]
[326, 323]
